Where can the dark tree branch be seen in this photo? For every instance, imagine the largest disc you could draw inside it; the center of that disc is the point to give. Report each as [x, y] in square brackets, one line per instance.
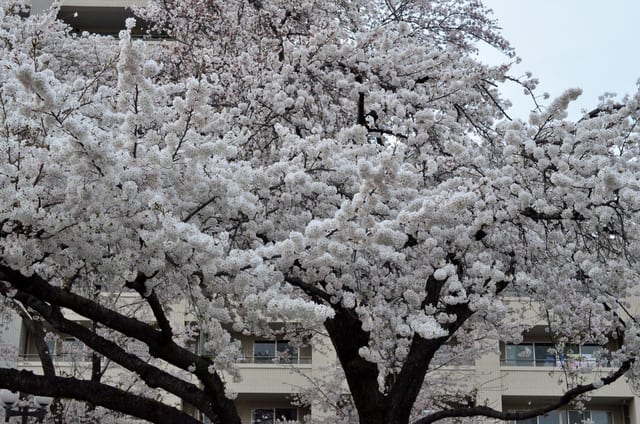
[97, 393]
[46, 361]
[315, 293]
[361, 120]
[601, 111]
[410, 379]
[199, 208]
[347, 336]
[159, 346]
[483, 88]
[556, 216]
[564, 400]
[151, 375]
[152, 299]
[96, 368]
[37, 331]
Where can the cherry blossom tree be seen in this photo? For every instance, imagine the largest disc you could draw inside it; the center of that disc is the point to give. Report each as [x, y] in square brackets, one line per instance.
[347, 168]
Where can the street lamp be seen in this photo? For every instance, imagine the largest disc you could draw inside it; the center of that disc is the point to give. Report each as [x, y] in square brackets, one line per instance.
[37, 408]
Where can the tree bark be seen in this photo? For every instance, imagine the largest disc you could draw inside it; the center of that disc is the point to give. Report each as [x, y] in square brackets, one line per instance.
[100, 394]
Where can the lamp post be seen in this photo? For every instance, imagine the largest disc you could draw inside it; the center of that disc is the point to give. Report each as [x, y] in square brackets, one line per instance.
[16, 407]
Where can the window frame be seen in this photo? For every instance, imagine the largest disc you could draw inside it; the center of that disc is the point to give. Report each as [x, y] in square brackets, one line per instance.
[274, 412]
[276, 358]
[564, 414]
[552, 359]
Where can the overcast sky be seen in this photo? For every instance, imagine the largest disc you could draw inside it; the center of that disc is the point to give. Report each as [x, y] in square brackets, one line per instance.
[591, 44]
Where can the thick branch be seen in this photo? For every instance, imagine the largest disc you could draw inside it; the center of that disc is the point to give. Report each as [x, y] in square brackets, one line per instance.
[556, 216]
[37, 331]
[151, 375]
[152, 299]
[411, 377]
[158, 345]
[564, 400]
[348, 337]
[46, 361]
[311, 290]
[100, 394]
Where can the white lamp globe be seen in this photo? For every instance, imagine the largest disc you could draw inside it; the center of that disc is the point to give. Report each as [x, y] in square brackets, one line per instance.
[8, 397]
[43, 401]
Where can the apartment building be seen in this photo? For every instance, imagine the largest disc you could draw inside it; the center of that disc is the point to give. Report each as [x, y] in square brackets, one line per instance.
[273, 371]
[533, 372]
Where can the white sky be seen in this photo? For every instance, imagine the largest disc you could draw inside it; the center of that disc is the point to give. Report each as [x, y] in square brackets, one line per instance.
[591, 44]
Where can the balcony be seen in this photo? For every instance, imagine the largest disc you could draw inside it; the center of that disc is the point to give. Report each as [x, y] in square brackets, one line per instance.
[62, 357]
[274, 360]
[272, 378]
[541, 354]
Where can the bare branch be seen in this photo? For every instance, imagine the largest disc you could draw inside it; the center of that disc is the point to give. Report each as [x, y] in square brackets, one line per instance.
[564, 400]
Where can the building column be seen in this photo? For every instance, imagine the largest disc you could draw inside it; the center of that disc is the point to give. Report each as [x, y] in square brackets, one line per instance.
[489, 381]
[634, 410]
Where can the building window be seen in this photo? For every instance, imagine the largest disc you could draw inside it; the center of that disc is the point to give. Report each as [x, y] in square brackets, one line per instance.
[61, 348]
[274, 351]
[569, 417]
[546, 355]
[273, 415]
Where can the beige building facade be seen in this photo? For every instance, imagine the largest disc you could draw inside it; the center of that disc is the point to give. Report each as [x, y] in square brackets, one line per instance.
[272, 372]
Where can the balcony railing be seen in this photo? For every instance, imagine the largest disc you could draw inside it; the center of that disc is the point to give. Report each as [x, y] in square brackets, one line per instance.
[274, 360]
[86, 357]
[63, 357]
[570, 361]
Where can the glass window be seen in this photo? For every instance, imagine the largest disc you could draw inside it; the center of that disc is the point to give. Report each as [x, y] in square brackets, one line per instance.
[51, 345]
[521, 354]
[273, 415]
[591, 356]
[601, 417]
[569, 417]
[527, 421]
[264, 352]
[589, 349]
[571, 349]
[577, 417]
[545, 355]
[73, 349]
[274, 352]
[286, 353]
[263, 416]
[553, 417]
[286, 414]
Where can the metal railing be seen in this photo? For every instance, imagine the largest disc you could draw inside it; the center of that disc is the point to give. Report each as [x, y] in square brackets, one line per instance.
[86, 357]
[271, 360]
[62, 357]
[559, 361]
